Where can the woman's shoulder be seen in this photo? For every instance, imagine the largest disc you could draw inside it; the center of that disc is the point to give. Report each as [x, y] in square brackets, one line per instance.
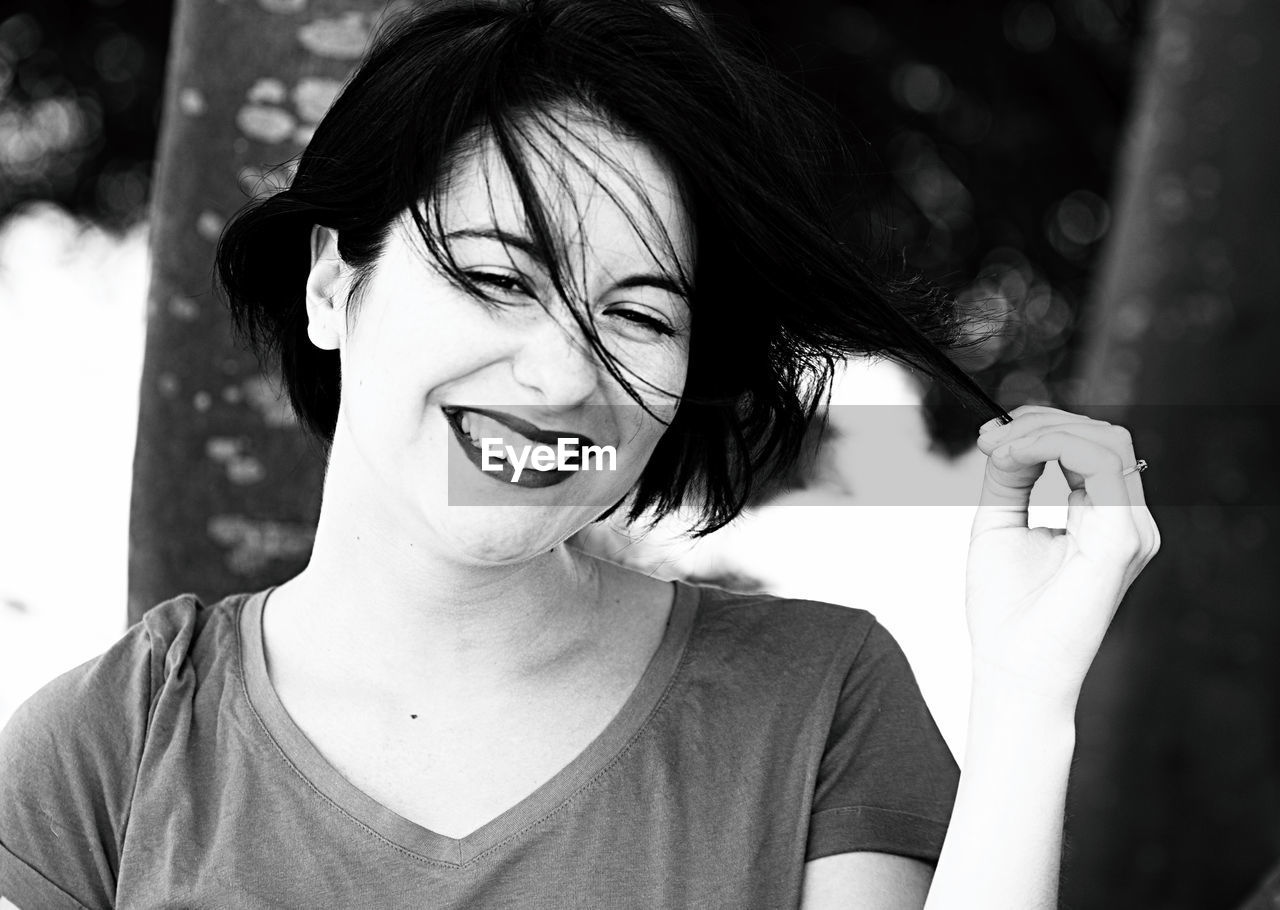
[71, 752]
[126, 675]
[107, 700]
[776, 621]
[754, 637]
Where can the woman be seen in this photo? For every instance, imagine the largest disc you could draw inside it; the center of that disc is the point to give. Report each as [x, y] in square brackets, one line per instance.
[585, 230]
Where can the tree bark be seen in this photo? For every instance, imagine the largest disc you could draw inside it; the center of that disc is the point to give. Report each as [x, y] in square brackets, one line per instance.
[1176, 792]
[225, 485]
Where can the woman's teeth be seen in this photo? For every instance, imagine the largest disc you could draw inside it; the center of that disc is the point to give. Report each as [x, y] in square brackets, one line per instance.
[479, 427]
[494, 443]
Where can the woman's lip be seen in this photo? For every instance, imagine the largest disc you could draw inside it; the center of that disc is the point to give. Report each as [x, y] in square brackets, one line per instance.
[526, 429]
[529, 477]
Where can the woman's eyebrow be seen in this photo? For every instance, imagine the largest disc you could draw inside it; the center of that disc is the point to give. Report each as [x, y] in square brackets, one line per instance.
[660, 282]
[523, 244]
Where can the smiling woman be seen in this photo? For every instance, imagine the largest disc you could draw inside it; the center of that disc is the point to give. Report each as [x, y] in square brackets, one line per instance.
[587, 227]
[505, 340]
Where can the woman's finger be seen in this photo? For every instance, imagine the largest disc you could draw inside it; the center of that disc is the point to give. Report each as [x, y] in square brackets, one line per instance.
[1026, 415]
[1120, 440]
[1032, 418]
[1006, 491]
[1117, 439]
[1105, 515]
[1111, 435]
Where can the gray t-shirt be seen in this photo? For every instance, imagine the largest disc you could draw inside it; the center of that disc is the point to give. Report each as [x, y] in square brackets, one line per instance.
[765, 732]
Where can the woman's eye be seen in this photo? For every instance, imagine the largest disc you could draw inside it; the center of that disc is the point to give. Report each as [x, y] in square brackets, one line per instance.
[501, 281]
[653, 323]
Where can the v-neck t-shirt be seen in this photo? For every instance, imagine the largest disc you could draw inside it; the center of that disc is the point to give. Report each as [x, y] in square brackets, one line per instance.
[764, 732]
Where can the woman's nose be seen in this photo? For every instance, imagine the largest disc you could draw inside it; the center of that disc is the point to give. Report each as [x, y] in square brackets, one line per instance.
[557, 361]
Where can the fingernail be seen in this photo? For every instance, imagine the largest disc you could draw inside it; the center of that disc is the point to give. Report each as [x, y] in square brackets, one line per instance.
[989, 425]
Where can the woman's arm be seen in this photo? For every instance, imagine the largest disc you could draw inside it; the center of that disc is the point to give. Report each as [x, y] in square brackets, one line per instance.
[1038, 602]
[1004, 844]
[867, 881]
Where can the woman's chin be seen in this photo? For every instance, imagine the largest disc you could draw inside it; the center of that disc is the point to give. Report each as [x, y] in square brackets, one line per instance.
[514, 534]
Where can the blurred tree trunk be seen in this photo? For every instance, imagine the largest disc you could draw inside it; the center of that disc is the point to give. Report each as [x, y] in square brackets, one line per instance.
[1175, 800]
[1267, 897]
[225, 486]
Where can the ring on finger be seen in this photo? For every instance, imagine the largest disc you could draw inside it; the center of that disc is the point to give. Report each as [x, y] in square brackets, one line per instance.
[1136, 468]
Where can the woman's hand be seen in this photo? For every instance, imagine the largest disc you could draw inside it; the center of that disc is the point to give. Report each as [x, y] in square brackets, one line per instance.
[1039, 602]
[1040, 599]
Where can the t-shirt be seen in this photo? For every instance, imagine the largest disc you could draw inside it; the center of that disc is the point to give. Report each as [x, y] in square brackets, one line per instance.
[764, 732]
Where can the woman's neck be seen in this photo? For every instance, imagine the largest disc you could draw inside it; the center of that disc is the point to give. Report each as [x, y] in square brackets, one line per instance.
[383, 597]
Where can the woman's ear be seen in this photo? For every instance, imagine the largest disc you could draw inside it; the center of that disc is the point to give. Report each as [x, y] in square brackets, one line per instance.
[326, 291]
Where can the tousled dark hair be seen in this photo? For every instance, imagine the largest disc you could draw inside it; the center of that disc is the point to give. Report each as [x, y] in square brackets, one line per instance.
[777, 298]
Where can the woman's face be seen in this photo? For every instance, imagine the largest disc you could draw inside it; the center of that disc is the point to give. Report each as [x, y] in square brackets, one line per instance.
[450, 405]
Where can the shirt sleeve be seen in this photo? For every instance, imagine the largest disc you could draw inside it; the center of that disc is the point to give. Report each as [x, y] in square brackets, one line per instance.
[68, 763]
[887, 780]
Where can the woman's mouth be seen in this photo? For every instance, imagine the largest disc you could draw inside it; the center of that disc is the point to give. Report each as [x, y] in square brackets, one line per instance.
[514, 451]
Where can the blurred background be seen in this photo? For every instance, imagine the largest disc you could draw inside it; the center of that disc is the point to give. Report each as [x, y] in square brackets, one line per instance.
[1096, 175]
